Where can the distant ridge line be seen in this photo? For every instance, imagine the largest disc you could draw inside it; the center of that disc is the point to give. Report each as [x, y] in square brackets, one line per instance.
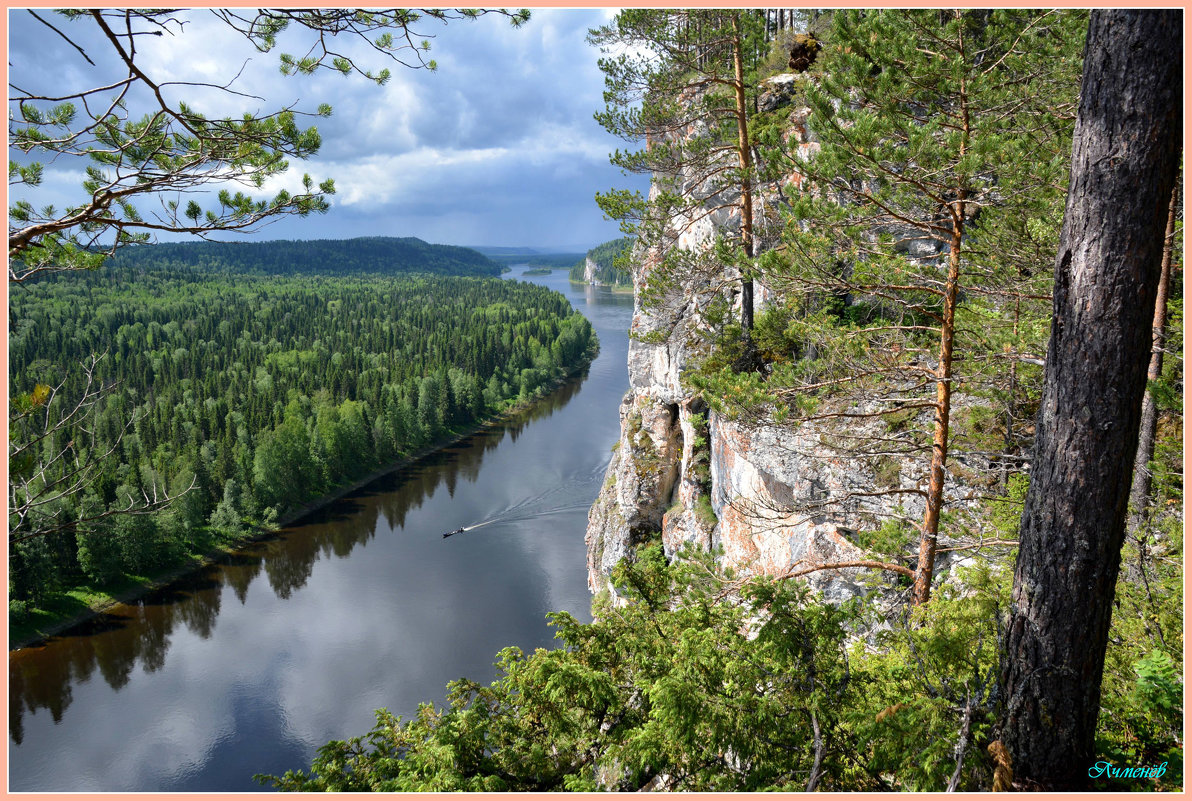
[372, 254]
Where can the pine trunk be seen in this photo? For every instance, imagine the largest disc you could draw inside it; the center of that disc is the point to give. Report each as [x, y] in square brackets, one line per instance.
[744, 160]
[1124, 162]
[1140, 494]
[929, 532]
[943, 412]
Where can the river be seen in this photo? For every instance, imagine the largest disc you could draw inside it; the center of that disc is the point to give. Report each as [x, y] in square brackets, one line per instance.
[249, 665]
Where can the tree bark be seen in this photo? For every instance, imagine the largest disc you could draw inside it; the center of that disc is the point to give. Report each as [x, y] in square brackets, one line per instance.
[962, 744]
[1124, 162]
[929, 532]
[744, 160]
[817, 764]
[1139, 495]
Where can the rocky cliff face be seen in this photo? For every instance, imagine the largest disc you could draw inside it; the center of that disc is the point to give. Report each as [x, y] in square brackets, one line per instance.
[773, 498]
[590, 271]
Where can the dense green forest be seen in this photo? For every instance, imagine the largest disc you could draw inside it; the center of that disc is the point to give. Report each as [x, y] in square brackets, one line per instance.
[376, 254]
[609, 257]
[255, 393]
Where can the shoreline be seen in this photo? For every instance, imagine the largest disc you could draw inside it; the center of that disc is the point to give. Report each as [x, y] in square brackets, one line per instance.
[617, 288]
[164, 579]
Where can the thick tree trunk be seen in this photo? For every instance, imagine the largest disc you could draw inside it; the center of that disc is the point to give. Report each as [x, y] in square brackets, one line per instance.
[1124, 162]
[744, 160]
[1139, 495]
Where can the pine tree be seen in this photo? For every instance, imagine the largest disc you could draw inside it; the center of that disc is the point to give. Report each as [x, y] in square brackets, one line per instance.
[1124, 163]
[937, 136]
[1141, 484]
[684, 88]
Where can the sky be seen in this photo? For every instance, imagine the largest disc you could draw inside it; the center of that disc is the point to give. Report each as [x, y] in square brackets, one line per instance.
[496, 147]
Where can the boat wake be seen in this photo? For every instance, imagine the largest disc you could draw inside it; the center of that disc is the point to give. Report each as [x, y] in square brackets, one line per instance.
[549, 502]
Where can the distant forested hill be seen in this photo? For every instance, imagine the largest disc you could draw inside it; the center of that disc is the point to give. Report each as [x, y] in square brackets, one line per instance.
[540, 260]
[608, 271]
[535, 257]
[500, 250]
[375, 255]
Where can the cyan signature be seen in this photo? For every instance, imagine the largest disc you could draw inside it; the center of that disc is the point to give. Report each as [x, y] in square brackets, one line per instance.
[1144, 772]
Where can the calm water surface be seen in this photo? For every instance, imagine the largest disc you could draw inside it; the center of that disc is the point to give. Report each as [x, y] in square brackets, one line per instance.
[249, 665]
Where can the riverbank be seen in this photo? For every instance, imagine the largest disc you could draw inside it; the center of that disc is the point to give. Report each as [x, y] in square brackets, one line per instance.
[623, 289]
[72, 608]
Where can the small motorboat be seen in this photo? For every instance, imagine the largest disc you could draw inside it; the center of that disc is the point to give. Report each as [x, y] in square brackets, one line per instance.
[459, 530]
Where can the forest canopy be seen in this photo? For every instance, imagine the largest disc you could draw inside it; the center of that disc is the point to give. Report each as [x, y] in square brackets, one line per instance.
[380, 255]
[244, 395]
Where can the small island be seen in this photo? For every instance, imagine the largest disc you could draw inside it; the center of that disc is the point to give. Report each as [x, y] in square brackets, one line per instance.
[538, 271]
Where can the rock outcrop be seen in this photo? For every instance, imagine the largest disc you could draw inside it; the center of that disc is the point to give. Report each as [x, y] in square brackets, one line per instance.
[590, 268]
[771, 497]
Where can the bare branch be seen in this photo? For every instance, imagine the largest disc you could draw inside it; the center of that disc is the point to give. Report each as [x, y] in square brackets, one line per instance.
[65, 38]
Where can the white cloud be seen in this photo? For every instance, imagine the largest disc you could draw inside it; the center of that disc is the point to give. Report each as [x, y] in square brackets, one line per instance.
[382, 179]
[500, 139]
[60, 187]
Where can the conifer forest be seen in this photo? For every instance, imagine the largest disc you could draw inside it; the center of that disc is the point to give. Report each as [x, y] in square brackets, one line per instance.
[825, 436]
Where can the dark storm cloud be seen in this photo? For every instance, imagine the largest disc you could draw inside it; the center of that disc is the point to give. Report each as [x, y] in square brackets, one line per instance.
[498, 146]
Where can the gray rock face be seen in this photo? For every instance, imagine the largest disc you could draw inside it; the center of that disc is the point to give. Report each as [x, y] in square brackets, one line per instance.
[774, 498]
[786, 501]
[778, 91]
[637, 486]
[652, 484]
[684, 524]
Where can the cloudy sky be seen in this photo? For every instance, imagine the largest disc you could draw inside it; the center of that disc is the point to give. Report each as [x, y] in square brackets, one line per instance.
[497, 147]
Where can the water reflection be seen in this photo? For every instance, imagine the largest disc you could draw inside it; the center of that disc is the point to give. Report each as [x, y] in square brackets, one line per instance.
[367, 606]
[117, 640]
